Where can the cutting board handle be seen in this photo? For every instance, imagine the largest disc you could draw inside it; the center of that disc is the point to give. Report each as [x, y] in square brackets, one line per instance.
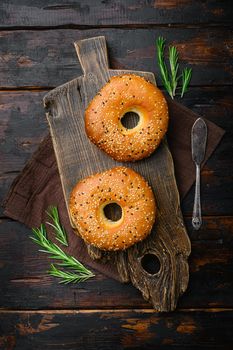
[92, 54]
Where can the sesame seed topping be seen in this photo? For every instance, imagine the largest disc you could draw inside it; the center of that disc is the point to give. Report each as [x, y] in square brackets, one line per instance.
[92, 227]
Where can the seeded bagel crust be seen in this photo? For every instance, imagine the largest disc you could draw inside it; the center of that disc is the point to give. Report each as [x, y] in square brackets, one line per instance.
[122, 94]
[119, 185]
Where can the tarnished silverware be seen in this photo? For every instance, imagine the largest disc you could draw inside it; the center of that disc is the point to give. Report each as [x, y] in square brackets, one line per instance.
[198, 140]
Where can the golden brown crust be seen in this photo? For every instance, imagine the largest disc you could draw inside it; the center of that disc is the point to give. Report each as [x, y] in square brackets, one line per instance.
[120, 95]
[119, 185]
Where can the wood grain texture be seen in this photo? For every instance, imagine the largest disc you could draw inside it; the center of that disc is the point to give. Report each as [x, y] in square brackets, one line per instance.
[29, 59]
[42, 13]
[27, 285]
[23, 125]
[47, 58]
[125, 329]
[78, 158]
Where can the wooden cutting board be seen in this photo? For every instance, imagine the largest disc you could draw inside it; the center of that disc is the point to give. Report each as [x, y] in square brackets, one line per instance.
[157, 266]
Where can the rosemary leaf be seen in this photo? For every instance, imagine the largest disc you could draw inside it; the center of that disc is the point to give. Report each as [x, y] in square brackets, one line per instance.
[186, 77]
[174, 66]
[160, 44]
[56, 253]
[61, 235]
[66, 276]
[170, 81]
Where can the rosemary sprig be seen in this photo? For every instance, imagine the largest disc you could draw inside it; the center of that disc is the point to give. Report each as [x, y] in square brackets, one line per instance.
[171, 82]
[186, 77]
[173, 60]
[160, 44]
[66, 260]
[61, 235]
[66, 276]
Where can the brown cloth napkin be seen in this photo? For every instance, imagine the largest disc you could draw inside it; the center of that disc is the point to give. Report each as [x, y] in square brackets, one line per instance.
[39, 186]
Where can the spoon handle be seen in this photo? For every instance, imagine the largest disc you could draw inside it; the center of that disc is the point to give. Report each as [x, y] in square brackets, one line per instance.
[196, 219]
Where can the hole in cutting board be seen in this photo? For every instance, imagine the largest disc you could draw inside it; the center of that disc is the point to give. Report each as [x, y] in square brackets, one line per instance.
[150, 263]
[113, 211]
[130, 120]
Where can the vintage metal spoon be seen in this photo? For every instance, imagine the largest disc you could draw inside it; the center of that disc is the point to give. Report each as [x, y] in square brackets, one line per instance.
[198, 138]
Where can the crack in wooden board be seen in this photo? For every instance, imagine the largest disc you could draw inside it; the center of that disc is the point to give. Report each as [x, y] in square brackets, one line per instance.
[168, 240]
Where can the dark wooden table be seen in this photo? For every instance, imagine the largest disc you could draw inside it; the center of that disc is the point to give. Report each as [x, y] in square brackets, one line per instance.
[37, 54]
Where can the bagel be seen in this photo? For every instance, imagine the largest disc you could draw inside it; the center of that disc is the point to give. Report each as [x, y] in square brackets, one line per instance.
[128, 190]
[103, 118]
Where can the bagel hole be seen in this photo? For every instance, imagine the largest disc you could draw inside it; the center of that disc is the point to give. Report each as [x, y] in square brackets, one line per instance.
[113, 211]
[150, 263]
[130, 120]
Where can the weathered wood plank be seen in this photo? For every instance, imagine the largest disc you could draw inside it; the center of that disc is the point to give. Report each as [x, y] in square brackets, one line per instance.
[27, 286]
[47, 58]
[119, 330]
[42, 13]
[23, 125]
[22, 128]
